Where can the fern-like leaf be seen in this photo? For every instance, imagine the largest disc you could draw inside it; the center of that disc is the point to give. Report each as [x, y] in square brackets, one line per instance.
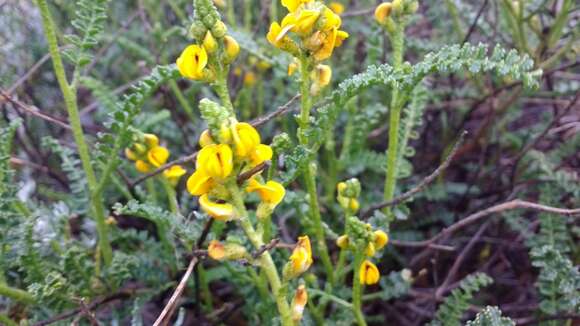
[491, 316]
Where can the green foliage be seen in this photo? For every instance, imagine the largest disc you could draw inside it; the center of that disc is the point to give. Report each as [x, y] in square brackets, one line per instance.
[451, 310]
[7, 189]
[490, 316]
[394, 285]
[558, 282]
[89, 24]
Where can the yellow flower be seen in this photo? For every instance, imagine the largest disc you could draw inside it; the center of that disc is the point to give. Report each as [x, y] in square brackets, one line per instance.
[342, 241]
[276, 34]
[304, 22]
[292, 67]
[292, 5]
[232, 47]
[174, 173]
[221, 212]
[192, 62]
[321, 75]
[337, 7]
[220, 3]
[382, 12]
[130, 154]
[215, 160]
[301, 257]
[381, 239]
[245, 137]
[199, 183]
[157, 156]
[368, 273]
[151, 140]
[299, 302]
[261, 154]
[249, 79]
[327, 41]
[331, 20]
[340, 37]
[216, 250]
[205, 139]
[142, 166]
[272, 192]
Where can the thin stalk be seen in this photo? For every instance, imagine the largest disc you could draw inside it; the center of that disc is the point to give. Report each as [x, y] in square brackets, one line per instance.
[205, 287]
[69, 95]
[171, 196]
[182, 100]
[151, 189]
[221, 88]
[16, 294]
[5, 320]
[394, 118]
[357, 290]
[265, 260]
[309, 176]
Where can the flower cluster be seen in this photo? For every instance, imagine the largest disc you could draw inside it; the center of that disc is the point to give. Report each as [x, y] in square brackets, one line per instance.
[347, 193]
[315, 25]
[212, 49]
[148, 155]
[233, 149]
[361, 237]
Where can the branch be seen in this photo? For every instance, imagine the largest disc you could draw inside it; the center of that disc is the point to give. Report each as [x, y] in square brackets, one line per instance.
[279, 111]
[248, 174]
[424, 183]
[513, 204]
[32, 111]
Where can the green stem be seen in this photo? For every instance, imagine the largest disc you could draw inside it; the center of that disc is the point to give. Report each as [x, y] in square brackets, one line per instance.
[170, 191]
[182, 100]
[397, 40]
[16, 294]
[69, 94]
[265, 260]
[309, 176]
[151, 189]
[357, 290]
[205, 287]
[5, 320]
[221, 88]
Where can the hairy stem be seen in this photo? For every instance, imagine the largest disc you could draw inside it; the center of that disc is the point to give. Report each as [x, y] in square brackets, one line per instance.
[357, 290]
[70, 100]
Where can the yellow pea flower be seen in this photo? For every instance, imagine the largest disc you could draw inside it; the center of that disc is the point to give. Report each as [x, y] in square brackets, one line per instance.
[228, 251]
[342, 241]
[337, 7]
[192, 62]
[215, 160]
[250, 79]
[368, 273]
[205, 139]
[151, 140]
[383, 11]
[261, 154]
[142, 166]
[381, 239]
[321, 75]
[174, 173]
[276, 34]
[292, 5]
[299, 302]
[245, 138]
[199, 183]
[305, 22]
[157, 156]
[272, 192]
[221, 212]
[301, 257]
[331, 20]
[340, 37]
[131, 155]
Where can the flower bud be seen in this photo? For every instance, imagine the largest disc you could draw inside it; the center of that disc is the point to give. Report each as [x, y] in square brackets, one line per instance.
[369, 273]
[382, 12]
[205, 139]
[342, 241]
[299, 302]
[300, 260]
[197, 30]
[219, 29]
[381, 239]
[232, 48]
[370, 249]
[151, 140]
[209, 43]
[228, 251]
[130, 154]
[173, 174]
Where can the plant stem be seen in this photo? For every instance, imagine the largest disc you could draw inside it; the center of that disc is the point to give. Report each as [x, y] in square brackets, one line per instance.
[397, 41]
[171, 199]
[357, 290]
[221, 88]
[265, 260]
[69, 94]
[182, 100]
[309, 173]
[16, 294]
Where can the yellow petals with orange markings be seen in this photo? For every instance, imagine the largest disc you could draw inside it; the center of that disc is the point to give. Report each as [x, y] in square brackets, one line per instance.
[245, 138]
[157, 156]
[199, 183]
[215, 160]
[216, 250]
[368, 273]
[174, 173]
[381, 239]
[299, 302]
[383, 11]
[271, 192]
[192, 62]
[301, 257]
[221, 212]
